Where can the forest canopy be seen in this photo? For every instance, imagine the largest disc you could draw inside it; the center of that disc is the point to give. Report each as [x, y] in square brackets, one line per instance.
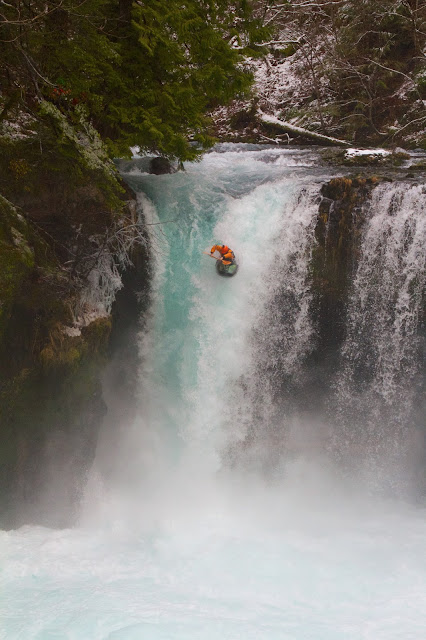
[148, 73]
[144, 73]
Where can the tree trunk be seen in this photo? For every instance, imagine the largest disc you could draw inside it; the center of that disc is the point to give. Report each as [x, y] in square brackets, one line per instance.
[299, 131]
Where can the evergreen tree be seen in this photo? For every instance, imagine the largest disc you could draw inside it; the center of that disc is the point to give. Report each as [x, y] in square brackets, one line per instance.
[145, 73]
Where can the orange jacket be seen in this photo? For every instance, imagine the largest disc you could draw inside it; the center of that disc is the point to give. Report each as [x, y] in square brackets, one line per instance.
[226, 253]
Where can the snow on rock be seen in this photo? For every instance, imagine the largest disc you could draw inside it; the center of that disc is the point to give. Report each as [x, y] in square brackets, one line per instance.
[351, 153]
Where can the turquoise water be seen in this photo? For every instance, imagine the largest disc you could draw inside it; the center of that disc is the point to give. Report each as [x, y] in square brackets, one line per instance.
[314, 577]
[174, 543]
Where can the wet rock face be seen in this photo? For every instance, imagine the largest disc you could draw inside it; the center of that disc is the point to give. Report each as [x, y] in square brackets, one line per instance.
[51, 400]
[51, 395]
[160, 165]
[341, 216]
[340, 219]
[342, 211]
[16, 258]
[50, 412]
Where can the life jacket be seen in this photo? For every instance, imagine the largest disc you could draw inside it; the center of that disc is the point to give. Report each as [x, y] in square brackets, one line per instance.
[227, 254]
[222, 248]
[228, 257]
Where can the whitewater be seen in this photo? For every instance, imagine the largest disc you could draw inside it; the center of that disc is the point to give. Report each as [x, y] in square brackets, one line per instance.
[218, 508]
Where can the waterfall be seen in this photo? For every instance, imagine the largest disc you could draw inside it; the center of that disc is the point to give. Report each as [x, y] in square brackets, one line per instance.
[226, 373]
[387, 302]
[215, 346]
[380, 384]
[240, 497]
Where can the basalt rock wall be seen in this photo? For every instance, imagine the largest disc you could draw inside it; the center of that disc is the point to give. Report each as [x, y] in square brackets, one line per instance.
[62, 202]
[51, 374]
[338, 237]
[340, 223]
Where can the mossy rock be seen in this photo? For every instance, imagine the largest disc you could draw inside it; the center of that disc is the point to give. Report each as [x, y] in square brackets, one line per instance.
[16, 258]
[161, 165]
[59, 394]
[339, 157]
[49, 168]
[96, 334]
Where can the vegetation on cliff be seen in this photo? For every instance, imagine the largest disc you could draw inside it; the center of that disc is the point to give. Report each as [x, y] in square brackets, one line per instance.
[351, 69]
[144, 73]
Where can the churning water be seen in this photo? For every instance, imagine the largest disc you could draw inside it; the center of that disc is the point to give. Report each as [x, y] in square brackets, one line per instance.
[222, 510]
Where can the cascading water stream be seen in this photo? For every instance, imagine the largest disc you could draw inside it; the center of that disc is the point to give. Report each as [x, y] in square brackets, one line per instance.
[380, 385]
[199, 519]
[386, 306]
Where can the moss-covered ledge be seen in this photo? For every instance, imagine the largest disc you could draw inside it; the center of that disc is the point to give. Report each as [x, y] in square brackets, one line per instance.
[62, 203]
[50, 391]
[16, 257]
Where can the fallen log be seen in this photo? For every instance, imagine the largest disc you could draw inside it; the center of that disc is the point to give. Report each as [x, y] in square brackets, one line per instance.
[300, 131]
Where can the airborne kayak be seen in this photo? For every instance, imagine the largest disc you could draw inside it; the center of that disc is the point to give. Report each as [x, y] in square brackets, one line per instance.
[226, 269]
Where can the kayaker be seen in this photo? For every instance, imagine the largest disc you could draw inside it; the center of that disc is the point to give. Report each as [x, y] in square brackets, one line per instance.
[227, 254]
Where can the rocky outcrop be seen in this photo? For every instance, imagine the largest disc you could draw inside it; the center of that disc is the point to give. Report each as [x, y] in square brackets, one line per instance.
[51, 411]
[51, 400]
[338, 234]
[64, 216]
[161, 165]
[50, 394]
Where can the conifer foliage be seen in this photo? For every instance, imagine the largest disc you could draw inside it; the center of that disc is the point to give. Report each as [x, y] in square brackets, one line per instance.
[145, 72]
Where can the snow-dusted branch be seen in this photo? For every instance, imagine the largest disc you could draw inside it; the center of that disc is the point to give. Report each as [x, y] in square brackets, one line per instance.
[275, 43]
[305, 4]
[382, 66]
[406, 126]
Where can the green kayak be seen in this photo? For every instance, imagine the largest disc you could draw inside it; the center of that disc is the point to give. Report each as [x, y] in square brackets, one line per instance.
[226, 270]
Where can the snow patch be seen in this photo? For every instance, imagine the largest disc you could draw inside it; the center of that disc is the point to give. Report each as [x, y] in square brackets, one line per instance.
[351, 153]
[72, 332]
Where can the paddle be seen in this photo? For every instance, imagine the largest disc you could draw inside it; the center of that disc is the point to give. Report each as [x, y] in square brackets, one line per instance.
[209, 254]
